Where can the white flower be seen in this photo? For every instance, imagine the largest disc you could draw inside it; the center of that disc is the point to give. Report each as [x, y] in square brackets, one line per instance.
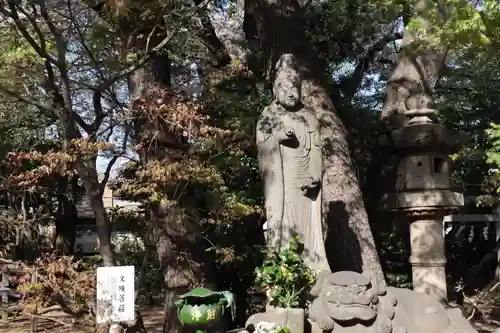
[115, 328]
[266, 327]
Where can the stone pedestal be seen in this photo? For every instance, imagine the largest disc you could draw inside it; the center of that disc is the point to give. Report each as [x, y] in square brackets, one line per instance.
[428, 258]
[293, 319]
[424, 195]
[424, 210]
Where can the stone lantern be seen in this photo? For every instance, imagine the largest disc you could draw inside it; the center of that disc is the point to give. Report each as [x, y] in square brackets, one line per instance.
[424, 194]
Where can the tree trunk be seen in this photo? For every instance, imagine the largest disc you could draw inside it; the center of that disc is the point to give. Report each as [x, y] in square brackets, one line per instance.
[94, 191]
[184, 261]
[177, 238]
[349, 240]
[67, 217]
[228, 29]
[416, 71]
[66, 225]
[270, 25]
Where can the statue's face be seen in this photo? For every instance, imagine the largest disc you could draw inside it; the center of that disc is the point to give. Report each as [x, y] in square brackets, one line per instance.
[288, 94]
[352, 303]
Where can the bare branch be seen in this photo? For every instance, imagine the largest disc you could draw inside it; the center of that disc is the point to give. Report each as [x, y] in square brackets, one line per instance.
[63, 71]
[151, 33]
[81, 37]
[35, 26]
[111, 129]
[107, 173]
[58, 100]
[353, 82]
[27, 100]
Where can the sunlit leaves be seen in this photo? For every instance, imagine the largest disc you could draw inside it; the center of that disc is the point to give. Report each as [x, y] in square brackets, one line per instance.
[494, 152]
[465, 27]
[458, 24]
[20, 63]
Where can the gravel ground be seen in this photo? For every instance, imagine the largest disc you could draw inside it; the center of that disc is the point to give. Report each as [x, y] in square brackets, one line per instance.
[153, 321]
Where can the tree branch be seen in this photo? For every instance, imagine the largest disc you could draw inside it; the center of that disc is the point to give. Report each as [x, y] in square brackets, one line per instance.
[99, 113]
[210, 39]
[35, 26]
[107, 172]
[82, 40]
[46, 108]
[63, 71]
[149, 54]
[58, 100]
[13, 14]
[354, 81]
[61, 100]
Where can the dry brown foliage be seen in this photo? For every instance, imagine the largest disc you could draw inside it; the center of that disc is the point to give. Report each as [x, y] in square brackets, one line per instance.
[60, 280]
[28, 170]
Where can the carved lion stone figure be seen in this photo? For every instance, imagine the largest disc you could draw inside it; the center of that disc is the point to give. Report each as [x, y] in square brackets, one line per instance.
[351, 302]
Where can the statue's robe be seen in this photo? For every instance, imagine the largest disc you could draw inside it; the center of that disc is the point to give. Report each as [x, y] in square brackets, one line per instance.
[285, 166]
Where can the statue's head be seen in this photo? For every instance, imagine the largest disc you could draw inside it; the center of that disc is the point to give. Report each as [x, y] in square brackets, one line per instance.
[287, 88]
[349, 296]
[288, 83]
[349, 299]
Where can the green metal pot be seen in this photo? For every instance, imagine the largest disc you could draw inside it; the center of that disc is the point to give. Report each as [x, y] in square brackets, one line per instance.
[202, 308]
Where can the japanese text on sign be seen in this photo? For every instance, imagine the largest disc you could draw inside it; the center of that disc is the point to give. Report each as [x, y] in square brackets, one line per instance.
[115, 294]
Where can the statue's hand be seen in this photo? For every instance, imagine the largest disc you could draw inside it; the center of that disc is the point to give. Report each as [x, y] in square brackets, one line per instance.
[304, 188]
[314, 183]
[310, 185]
[287, 134]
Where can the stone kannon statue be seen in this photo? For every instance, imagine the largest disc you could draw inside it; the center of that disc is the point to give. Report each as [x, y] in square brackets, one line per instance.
[291, 166]
[354, 303]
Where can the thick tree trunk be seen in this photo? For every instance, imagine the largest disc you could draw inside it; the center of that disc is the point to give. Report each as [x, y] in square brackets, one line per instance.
[177, 241]
[349, 240]
[184, 261]
[177, 238]
[270, 25]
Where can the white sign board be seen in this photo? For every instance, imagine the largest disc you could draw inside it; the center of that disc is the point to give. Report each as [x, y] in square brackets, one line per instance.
[115, 294]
